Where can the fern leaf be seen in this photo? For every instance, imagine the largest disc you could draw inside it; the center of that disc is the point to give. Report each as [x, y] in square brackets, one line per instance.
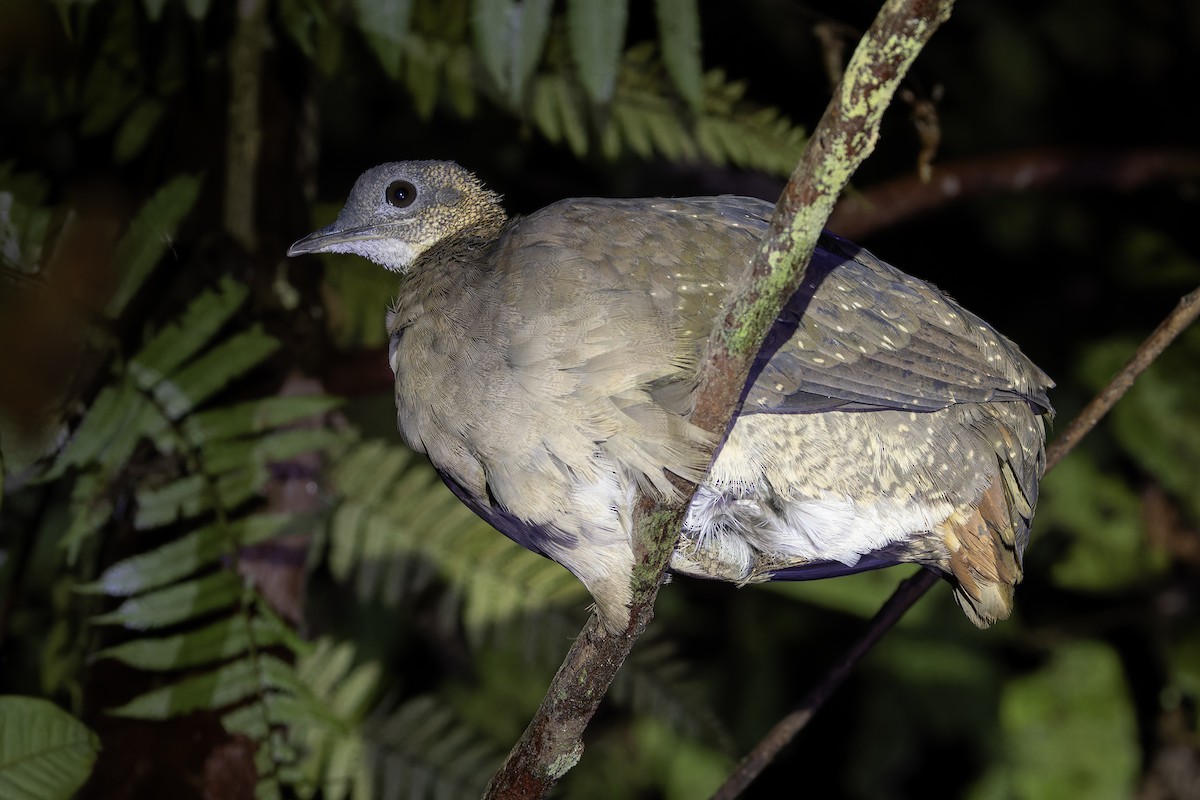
[199, 380]
[510, 37]
[657, 683]
[112, 428]
[385, 25]
[423, 63]
[176, 603]
[459, 82]
[148, 237]
[177, 342]
[679, 35]
[255, 416]
[184, 556]
[423, 749]
[219, 641]
[225, 455]
[221, 687]
[193, 495]
[395, 510]
[596, 32]
[136, 129]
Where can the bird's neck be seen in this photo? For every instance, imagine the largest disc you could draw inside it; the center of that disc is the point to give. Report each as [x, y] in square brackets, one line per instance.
[447, 274]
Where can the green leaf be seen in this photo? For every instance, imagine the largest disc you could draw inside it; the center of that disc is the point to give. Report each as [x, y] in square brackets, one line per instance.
[326, 666]
[1158, 421]
[545, 108]
[149, 236]
[219, 641]
[192, 495]
[679, 36]
[574, 125]
[422, 69]
[299, 18]
[104, 424]
[45, 753]
[1104, 517]
[385, 24]
[197, 9]
[596, 30]
[510, 37]
[634, 129]
[671, 138]
[177, 342]
[154, 9]
[213, 371]
[348, 771]
[91, 509]
[255, 416]
[396, 509]
[177, 603]
[274, 447]
[352, 696]
[460, 83]
[23, 227]
[224, 686]
[137, 128]
[1069, 731]
[423, 749]
[489, 24]
[185, 555]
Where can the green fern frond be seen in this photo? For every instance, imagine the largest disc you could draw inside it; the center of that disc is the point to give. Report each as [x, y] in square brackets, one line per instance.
[395, 509]
[724, 128]
[422, 749]
[571, 81]
[148, 437]
[339, 696]
[657, 683]
[149, 235]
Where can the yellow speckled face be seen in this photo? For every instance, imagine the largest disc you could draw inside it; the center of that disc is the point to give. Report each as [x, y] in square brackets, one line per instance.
[398, 211]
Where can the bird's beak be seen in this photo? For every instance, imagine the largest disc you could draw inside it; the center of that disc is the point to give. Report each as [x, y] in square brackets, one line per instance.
[315, 242]
[327, 239]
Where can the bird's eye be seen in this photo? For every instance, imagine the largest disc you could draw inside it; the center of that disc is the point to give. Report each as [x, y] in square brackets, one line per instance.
[401, 194]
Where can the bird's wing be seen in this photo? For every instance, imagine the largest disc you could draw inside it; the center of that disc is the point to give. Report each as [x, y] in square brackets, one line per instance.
[858, 335]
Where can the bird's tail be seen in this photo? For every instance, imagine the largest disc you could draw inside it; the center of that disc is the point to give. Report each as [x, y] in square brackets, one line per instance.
[986, 545]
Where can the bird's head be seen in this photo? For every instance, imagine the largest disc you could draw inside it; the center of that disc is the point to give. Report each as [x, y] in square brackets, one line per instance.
[398, 211]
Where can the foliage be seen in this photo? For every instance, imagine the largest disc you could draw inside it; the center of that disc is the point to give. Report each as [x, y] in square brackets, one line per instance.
[45, 753]
[194, 539]
[379, 535]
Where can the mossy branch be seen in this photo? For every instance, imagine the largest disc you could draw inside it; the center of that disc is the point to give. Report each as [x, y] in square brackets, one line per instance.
[846, 135]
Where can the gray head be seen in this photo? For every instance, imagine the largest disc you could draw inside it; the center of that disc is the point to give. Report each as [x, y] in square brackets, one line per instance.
[398, 211]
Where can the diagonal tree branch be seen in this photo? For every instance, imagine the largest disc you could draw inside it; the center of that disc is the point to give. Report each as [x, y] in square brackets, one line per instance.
[907, 196]
[845, 136]
[912, 589]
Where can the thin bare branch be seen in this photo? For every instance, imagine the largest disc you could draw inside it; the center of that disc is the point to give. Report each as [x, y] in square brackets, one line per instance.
[911, 590]
[845, 136]
[905, 596]
[1176, 322]
[891, 203]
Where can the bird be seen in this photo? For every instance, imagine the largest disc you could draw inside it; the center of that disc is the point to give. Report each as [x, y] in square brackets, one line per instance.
[547, 365]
